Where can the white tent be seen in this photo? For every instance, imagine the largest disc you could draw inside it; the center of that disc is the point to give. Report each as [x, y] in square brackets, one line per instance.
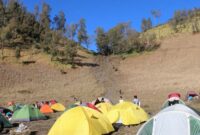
[174, 120]
[180, 107]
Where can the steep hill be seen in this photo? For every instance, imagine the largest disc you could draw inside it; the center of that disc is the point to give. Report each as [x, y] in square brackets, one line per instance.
[44, 79]
[175, 66]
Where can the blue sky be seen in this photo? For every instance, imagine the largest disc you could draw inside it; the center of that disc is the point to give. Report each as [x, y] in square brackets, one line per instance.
[108, 13]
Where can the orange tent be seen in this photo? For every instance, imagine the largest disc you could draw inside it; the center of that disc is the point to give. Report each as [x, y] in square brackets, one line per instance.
[46, 109]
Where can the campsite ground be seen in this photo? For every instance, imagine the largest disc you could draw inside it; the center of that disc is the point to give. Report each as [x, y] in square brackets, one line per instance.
[175, 66]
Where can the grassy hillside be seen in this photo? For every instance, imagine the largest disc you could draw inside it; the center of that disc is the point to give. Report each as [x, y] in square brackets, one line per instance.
[166, 30]
[38, 56]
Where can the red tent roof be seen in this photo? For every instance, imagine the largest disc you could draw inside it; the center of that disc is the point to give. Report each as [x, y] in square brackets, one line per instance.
[174, 94]
[53, 102]
[192, 93]
[90, 105]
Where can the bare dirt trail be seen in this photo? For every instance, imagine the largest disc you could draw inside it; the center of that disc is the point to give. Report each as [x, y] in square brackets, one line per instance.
[108, 76]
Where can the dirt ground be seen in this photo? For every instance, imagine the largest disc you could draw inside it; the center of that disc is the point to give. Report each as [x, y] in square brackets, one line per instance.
[175, 66]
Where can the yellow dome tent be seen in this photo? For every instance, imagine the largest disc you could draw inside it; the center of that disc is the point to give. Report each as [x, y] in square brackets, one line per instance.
[105, 108]
[129, 113]
[58, 107]
[81, 121]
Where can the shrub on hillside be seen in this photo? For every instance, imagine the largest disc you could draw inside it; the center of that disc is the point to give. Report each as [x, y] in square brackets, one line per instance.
[149, 42]
[195, 27]
[17, 52]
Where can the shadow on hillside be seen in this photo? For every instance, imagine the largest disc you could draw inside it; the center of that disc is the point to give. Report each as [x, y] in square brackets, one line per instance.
[34, 133]
[77, 61]
[80, 56]
[82, 64]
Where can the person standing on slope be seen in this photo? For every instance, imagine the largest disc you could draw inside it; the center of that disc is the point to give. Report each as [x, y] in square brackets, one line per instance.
[136, 100]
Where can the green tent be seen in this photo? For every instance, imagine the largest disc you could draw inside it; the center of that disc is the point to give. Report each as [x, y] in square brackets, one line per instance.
[27, 113]
[6, 123]
[15, 107]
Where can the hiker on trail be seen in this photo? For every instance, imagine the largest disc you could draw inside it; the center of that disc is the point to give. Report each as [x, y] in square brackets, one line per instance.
[97, 101]
[120, 92]
[189, 98]
[136, 100]
[39, 104]
[34, 105]
[121, 99]
[75, 99]
[102, 100]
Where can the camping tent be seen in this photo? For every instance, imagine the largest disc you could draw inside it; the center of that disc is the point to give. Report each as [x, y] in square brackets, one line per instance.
[12, 108]
[5, 110]
[27, 113]
[180, 107]
[166, 103]
[81, 121]
[105, 108]
[90, 105]
[192, 94]
[58, 107]
[6, 123]
[174, 94]
[46, 109]
[129, 113]
[53, 101]
[15, 107]
[174, 120]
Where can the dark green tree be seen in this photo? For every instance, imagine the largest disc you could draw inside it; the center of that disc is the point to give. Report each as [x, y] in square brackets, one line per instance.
[36, 12]
[102, 41]
[146, 24]
[72, 31]
[2, 14]
[59, 21]
[82, 33]
[45, 16]
[45, 32]
[71, 52]
[117, 37]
